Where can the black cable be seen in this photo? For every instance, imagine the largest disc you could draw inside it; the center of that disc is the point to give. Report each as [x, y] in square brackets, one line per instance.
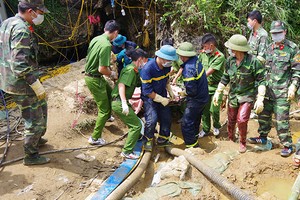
[65, 150]
[8, 128]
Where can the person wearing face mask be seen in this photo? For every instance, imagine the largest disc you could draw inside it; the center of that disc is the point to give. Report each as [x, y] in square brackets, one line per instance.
[145, 58]
[122, 92]
[196, 92]
[155, 85]
[120, 46]
[282, 77]
[244, 72]
[18, 69]
[213, 62]
[97, 66]
[258, 40]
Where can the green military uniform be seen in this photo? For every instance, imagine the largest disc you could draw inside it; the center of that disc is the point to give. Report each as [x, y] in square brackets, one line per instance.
[215, 60]
[18, 69]
[243, 79]
[258, 42]
[99, 55]
[130, 78]
[283, 69]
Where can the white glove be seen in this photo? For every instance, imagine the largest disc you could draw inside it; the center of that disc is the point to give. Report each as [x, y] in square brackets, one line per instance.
[291, 92]
[259, 104]
[217, 94]
[159, 99]
[261, 59]
[170, 91]
[38, 89]
[125, 108]
[113, 75]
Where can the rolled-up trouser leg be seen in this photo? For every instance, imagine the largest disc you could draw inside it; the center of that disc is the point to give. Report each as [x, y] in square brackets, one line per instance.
[232, 117]
[34, 114]
[242, 120]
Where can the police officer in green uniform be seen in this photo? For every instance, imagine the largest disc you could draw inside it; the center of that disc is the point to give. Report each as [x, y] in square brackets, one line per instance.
[97, 65]
[258, 40]
[122, 92]
[283, 73]
[244, 72]
[18, 69]
[213, 62]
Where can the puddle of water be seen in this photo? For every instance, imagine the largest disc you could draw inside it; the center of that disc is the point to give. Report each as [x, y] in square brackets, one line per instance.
[281, 188]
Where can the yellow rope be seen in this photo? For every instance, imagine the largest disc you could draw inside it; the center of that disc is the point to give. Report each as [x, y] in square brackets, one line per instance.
[77, 22]
[70, 19]
[137, 30]
[51, 46]
[127, 6]
[10, 8]
[87, 24]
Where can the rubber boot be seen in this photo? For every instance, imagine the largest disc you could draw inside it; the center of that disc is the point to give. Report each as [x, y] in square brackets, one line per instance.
[35, 160]
[232, 115]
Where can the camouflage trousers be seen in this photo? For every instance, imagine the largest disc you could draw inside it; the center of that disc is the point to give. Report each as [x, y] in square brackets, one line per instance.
[280, 107]
[34, 112]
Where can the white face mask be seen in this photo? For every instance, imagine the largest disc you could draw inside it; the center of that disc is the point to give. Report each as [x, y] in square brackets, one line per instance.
[207, 51]
[167, 64]
[249, 26]
[278, 37]
[142, 65]
[230, 53]
[38, 20]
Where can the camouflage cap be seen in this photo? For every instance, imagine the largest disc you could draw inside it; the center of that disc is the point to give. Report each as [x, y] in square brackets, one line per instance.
[39, 4]
[277, 27]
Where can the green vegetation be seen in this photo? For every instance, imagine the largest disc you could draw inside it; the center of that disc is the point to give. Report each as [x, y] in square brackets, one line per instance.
[227, 17]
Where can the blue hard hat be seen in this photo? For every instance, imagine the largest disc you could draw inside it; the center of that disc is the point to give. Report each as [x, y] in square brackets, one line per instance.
[119, 40]
[167, 52]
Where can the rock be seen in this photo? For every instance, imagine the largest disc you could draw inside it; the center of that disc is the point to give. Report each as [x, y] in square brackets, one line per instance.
[85, 157]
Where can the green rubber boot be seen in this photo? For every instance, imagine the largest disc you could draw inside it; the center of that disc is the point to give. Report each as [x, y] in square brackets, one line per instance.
[35, 160]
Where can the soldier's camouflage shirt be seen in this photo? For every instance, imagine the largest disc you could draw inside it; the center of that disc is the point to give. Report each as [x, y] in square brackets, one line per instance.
[18, 56]
[258, 42]
[283, 68]
[243, 79]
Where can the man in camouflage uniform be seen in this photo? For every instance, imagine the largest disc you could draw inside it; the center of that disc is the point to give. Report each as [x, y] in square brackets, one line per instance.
[243, 72]
[283, 73]
[18, 66]
[258, 40]
[213, 62]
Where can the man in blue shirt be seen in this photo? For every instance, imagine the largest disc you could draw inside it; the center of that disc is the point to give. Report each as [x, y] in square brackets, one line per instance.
[196, 92]
[155, 83]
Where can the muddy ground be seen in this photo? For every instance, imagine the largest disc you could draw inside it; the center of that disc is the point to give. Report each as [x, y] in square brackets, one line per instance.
[264, 174]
